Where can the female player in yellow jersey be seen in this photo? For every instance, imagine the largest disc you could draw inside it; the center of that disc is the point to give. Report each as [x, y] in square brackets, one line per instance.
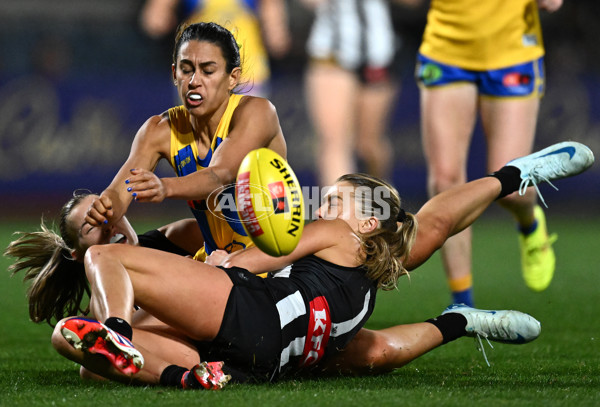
[204, 139]
[259, 27]
[486, 57]
[54, 264]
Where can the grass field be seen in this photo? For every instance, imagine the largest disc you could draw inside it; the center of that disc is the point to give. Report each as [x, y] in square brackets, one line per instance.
[561, 368]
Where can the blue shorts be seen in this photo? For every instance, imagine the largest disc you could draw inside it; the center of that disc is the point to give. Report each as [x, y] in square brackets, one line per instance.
[520, 80]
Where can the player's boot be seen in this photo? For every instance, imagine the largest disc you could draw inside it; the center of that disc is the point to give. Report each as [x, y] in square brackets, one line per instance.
[92, 336]
[205, 375]
[537, 255]
[558, 161]
[512, 327]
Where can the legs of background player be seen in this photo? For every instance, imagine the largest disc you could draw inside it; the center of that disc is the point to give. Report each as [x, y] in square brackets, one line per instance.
[372, 144]
[509, 126]
[331, 94]
[349, 115]
[448, 116]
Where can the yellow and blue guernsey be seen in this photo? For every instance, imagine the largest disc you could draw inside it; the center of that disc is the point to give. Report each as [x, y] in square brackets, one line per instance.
[216, 216]
[483, 35]
[239, 16]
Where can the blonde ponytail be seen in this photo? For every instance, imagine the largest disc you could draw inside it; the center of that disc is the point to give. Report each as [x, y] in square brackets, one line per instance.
[387, 246]
[58, 283]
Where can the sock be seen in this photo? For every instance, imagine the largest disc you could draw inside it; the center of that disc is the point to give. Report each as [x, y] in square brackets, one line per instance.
[510, 179]
[451, 325]
[463, 297]
[119, 326]
[462, 290]
[172, 376]
[237, 376]
[529, 229]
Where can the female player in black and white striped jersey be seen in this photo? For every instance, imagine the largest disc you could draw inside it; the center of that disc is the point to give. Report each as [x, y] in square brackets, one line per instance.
[270, 328]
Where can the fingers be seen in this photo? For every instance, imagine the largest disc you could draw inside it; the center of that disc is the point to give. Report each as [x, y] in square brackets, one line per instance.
[99, 211]
[216, 257]
[145, 186]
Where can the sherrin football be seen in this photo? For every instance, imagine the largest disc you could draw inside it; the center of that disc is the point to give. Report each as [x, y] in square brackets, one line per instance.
[269, 202]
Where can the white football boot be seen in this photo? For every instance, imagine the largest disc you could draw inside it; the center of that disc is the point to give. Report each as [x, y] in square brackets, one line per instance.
[514, 327]
[506, 326]
[558, 161]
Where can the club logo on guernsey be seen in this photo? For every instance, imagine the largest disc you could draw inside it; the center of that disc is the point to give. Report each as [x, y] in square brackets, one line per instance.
[319, 329]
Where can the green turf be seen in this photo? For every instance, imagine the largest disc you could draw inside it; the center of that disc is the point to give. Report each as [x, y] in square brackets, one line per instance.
[561, 368]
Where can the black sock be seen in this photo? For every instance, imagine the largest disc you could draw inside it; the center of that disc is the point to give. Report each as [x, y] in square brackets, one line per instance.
[510, 179]
[452, 325]
[172, 375]
[237, 376]
[120, 326]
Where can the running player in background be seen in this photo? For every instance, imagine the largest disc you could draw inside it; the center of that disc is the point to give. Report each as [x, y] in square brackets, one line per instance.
[259, 26]
[484, 57]
[350, 88]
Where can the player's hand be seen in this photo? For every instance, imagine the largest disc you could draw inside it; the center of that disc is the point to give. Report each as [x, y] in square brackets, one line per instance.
[145, 186]
[216, 258]
[100, 211]
[550, 5]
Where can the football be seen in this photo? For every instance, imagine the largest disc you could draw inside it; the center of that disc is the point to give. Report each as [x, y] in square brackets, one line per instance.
[269, 202]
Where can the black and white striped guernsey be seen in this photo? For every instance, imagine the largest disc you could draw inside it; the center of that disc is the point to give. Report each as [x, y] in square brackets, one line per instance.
[321, 307]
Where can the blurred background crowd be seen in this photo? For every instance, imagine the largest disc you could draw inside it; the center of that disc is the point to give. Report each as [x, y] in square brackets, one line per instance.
[79, 77]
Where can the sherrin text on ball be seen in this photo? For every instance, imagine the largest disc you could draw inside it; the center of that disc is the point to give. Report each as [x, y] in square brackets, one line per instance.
[269, 201]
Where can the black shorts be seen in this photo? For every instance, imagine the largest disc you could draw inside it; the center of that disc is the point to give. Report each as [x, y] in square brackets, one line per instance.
[249, 340]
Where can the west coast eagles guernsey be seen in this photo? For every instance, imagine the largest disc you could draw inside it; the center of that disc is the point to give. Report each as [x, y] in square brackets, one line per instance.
[483, 35]
[216, 215]
[239, 17]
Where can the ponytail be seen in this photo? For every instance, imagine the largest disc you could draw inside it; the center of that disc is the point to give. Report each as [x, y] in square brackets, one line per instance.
[385, 251]
[58, 282]
[390, 243]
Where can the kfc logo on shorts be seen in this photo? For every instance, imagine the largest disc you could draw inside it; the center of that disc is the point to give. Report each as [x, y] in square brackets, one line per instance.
[319, 329]
[280, 204]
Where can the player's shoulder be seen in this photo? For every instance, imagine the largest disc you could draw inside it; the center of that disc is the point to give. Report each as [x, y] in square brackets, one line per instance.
[255, 104]
[156, 122]
[155, 131]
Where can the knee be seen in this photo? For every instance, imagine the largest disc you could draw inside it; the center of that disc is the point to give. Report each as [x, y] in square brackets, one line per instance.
[442, 178]
[379, 356]
[59, 343]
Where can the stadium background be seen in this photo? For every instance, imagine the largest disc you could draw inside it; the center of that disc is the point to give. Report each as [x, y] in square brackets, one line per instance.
[78, 78]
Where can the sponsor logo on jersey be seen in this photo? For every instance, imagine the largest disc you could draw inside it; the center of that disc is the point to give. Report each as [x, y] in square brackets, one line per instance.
[319, 329]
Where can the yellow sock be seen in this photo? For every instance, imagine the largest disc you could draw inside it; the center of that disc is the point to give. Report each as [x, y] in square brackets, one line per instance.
[461, 284]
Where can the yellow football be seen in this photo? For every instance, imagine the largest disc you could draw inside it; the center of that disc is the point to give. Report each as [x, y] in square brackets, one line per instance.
[269, 202]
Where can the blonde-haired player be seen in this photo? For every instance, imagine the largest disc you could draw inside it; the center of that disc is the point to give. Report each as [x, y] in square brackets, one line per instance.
[269, 328]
